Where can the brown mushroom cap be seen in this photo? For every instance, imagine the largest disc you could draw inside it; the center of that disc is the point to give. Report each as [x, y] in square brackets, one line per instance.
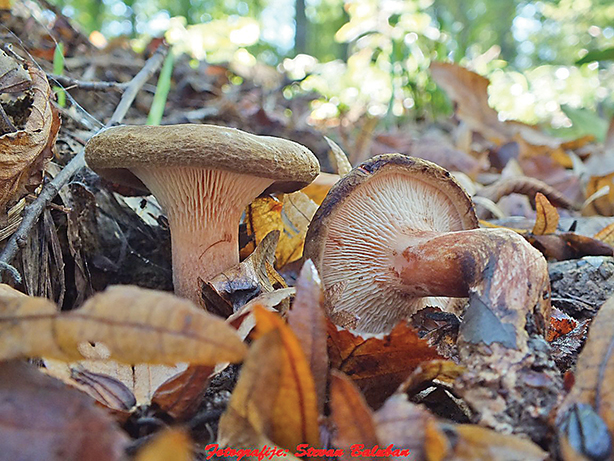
[115, 150]
[355, 233]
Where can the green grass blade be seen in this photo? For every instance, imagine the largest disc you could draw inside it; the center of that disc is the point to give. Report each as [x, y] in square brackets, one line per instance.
[164, 85]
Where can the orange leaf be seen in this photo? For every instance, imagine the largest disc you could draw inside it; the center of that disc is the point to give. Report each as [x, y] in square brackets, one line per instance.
[170, 443]
[547, 218]
[275, 393]
[180, 395]
[307, 320]
[378, 365]
[350, 413]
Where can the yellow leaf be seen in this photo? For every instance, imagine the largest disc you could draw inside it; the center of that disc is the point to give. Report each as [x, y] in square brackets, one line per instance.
[171, 443]
[291, 218]
[606, 235]
[547, 218]
[135, 324]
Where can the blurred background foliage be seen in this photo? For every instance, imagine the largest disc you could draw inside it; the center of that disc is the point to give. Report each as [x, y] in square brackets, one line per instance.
[549, 61]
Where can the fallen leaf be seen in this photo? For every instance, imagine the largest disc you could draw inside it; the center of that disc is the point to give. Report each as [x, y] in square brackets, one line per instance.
[14, 78]
[338, 158]
[547, 219]
[295, 415]
[23, 153]
[407, 426]
[308, 322]
[43, 419]
[181, 395]
[170, 443]
[470, 93]
[290, 217]
[606, 235]
[472, 442]
[350, 414]
[136, 325]
[378, 364]
[569, 245]
[604, 204]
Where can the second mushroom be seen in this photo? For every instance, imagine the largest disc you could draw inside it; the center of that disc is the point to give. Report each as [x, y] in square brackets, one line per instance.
[399, 233]
[203, 176]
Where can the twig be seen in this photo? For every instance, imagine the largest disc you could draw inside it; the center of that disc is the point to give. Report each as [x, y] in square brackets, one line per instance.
[50, 190]
[69, 82]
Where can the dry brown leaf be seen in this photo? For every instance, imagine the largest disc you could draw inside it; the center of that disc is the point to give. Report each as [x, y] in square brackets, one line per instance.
[378, 365]
[136, 325]
[569, 245]
[338, 158]
[469, 91]
[307, 320]
[411, 427]
[180, 395]
[595, 372]
[23, 154]
[13, 76]
[350, 414]
[43, 419]
[229, 291]
[295, 414]
[170, 443]
[474, 443]
[547, 219]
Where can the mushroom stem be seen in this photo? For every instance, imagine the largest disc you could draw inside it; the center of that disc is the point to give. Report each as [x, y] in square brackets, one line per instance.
[204, 208]
[457, 264]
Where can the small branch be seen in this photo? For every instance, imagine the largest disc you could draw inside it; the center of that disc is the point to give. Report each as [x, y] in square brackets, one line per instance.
[50, 190]
[68, 82]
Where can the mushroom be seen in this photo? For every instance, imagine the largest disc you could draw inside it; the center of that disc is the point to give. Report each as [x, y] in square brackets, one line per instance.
[203, 176]
[399, 233]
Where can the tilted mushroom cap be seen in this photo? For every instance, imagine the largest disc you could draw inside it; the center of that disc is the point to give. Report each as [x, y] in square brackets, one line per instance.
[115, 150]
[366, 220]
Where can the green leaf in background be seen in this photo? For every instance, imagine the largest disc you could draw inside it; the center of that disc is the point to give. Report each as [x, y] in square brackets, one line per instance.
[597, 55]
[164, 85]
[58, 69]
[585, 122]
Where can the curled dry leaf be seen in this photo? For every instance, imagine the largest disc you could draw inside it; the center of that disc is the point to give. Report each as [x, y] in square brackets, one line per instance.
[13, 76]
[229, 291]
[445, 371]
[378, 364]
[547, 218]
[23, 153]
[591, 399]
[338, 158]
[569, 245]
[307, 320]
[43, 419]
[350, 414]
[275, 396]
[525, 185]
[135, 324]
